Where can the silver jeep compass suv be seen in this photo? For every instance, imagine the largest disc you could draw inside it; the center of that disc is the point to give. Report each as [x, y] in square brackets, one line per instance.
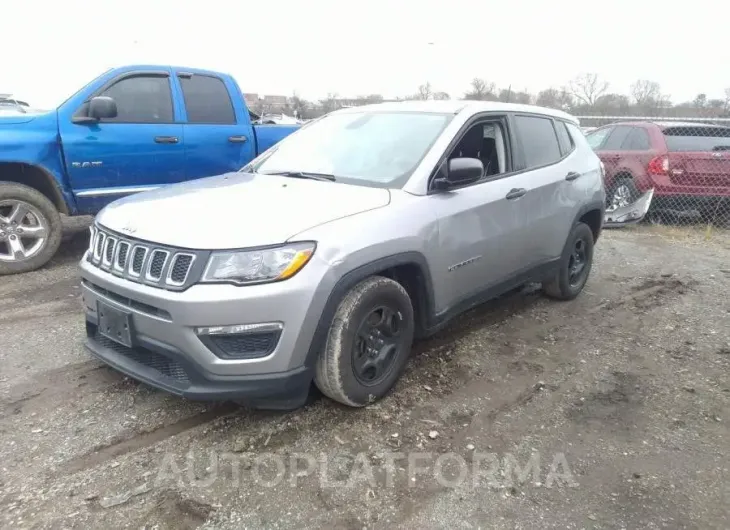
[322, 260]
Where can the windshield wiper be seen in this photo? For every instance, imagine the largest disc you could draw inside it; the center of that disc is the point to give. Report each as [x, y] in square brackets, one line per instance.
[303, 175]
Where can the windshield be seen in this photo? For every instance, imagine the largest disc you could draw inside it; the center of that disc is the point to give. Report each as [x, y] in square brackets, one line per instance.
[379, 149]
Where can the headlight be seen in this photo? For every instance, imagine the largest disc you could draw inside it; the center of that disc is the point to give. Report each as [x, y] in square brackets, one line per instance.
[257, 266]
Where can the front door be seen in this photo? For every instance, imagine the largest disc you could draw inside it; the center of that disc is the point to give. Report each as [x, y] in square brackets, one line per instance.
[142, 148]
[481, 225]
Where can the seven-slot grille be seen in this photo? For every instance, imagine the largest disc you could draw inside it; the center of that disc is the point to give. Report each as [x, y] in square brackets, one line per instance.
[139, 261]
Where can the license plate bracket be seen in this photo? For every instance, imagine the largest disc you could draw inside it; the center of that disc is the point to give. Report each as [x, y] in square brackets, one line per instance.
[115, 324]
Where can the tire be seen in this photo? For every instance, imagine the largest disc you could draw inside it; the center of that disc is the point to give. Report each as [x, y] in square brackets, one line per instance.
[565, 286]
[623, 189]
[342, 372]
[40, 211]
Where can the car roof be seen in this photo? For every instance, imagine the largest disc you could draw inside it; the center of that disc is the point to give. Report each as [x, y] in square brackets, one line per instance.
[456, 106]
[666, 124]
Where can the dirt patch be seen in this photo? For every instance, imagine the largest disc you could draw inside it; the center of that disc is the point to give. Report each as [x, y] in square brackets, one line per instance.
[627, 386]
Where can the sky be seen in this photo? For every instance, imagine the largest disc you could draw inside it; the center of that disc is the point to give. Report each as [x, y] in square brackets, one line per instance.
[51, 48]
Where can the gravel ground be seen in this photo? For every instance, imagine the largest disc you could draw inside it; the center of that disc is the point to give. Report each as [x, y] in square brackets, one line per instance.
[611, 411]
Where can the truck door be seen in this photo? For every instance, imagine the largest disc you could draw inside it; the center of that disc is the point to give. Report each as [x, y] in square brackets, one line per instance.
[218, 133]
[141, 148]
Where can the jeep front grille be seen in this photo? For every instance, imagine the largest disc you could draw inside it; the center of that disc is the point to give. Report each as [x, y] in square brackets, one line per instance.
[143, 262]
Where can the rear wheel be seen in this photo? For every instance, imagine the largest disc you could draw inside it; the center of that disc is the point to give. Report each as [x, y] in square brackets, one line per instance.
[368, 343]
[30, 229]
[622, 193]
[575, 265]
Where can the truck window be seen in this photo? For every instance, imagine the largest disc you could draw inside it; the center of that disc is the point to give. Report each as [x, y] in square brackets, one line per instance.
[142, 99]
[539, 141]
[207, 100]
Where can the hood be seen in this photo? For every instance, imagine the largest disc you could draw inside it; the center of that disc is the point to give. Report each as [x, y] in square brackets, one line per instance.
[12, 116]
[236, 210]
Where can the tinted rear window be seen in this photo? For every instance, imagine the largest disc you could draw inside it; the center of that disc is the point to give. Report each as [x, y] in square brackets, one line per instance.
[697, 138]
[207, 100]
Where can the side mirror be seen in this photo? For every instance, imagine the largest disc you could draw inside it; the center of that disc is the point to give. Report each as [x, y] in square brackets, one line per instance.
[102, 107]
[460, 172]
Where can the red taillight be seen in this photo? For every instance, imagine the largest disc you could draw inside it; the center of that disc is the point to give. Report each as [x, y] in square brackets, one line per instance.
[659, 165]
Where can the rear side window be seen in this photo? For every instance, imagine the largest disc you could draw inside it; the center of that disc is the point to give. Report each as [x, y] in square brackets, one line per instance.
[596, 138]
[207, 100]
[539, 141]
[616, 140]
[564, 138]
[697, 138]
[637, 140]
[141, 99]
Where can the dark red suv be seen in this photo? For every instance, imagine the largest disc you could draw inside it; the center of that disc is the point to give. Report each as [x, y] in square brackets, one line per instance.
[687, 164]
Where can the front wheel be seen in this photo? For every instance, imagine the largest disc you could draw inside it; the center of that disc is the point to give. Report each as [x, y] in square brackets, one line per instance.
[30, 229]
[575, 265]
[368, 343]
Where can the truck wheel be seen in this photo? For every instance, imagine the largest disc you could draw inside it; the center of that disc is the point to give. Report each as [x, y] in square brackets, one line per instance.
[368, 343]
[30, 229]
[575, 265]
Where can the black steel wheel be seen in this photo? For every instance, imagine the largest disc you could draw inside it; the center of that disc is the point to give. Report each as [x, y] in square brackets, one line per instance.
[575, 265]
[368, 343]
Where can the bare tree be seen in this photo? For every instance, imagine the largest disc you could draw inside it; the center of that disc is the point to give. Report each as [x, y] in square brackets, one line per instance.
[441, 95]
[298, 105]
[587, 88]
[555, 98]
[727, 100]
[424, 91]
[481, 90]
[329, 103]
[647, 95]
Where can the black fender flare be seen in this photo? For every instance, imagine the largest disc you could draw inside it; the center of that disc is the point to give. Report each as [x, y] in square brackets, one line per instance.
[595, 205]
[355, 276]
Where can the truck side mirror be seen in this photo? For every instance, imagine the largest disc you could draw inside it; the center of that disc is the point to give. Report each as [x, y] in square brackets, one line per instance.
[102, 107]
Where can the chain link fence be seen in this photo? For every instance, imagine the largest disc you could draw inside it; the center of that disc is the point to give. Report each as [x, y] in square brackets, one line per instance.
[685, 160]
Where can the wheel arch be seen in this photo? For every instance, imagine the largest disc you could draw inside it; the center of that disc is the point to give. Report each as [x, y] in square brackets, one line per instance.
[410, 269]
[36, 177]
[592, 214]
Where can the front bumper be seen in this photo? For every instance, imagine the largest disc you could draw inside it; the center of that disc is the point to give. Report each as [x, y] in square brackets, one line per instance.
[168, 353]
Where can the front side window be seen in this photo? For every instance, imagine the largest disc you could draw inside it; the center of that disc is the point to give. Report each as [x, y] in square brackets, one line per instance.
[380, 149]
[539, 141]
[141, 99]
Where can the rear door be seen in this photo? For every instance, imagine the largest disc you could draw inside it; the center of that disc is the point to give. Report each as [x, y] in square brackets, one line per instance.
[699, 157]
[141, 148]
[218, 134]
[553, 183]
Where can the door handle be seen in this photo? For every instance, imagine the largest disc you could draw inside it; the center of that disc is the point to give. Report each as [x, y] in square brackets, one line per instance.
[516, 193]
[237, 139]
[166, 139]
[572, 176]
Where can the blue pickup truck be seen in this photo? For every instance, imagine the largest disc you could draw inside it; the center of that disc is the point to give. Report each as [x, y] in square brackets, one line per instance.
[131, 129]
